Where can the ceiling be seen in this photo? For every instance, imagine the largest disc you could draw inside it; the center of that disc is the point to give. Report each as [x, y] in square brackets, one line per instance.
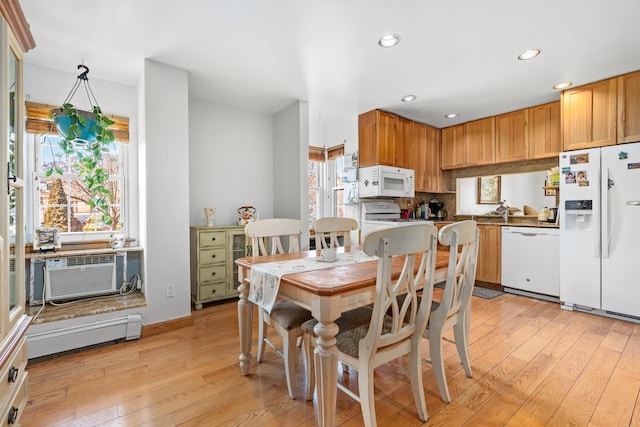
[261, 55]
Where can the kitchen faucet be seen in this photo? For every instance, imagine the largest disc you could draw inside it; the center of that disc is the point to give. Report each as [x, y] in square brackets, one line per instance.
[504, 211]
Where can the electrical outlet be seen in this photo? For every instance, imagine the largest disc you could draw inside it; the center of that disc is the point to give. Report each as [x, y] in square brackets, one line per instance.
[171, 290]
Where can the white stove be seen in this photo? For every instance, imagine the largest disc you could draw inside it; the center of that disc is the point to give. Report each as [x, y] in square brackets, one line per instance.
[383, 214]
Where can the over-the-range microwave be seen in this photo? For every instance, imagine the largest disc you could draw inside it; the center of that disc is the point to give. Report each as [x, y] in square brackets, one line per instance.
[385, 181]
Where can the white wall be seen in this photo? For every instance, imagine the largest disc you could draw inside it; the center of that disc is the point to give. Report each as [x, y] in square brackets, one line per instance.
[230, 162]
[290, 158]
[517, 189]
[343, 131]
[164, 190]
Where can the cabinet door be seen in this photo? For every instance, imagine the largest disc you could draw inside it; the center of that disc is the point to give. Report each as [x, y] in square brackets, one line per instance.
[544, 125]
[12, 201]
[629, 108]
[367, 139]
[489, 267]
[406, 145]
[452, 144]
[436, 180]
[237, 247]
[422, 161]
[512, 137]
[589, 115]
[480, 142]
[377, 138]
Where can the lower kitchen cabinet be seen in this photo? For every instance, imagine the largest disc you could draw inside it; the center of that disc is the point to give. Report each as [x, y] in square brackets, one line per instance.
[489, 267]
[214, 274]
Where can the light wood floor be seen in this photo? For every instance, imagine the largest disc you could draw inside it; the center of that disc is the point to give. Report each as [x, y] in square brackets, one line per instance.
[533, 363]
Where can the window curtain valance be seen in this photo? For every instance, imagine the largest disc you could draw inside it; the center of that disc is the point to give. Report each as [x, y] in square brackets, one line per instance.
[317, 154]
[38, 121]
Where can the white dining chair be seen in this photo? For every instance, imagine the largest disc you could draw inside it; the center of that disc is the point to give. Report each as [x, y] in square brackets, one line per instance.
[269, 237]
[331, 228]
[372, 336]
[454, 309]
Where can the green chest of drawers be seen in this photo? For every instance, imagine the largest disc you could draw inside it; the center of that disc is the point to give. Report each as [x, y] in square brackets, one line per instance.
[214, 275]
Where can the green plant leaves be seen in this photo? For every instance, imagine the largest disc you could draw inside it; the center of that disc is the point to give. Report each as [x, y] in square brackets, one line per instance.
[89, 156]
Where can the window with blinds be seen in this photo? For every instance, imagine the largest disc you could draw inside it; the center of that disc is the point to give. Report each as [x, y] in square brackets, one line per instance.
[61, 200]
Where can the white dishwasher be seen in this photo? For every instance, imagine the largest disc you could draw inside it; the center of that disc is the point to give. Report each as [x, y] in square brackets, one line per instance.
[530, 261]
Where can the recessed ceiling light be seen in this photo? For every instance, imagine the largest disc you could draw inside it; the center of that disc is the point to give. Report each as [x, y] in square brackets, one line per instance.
[389, 40]
[563, 85]
[408, 98]
[451, 115]
[528, 54]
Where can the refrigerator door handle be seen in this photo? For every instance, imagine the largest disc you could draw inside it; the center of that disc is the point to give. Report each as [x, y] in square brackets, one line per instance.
[633, 202]
[604, 212]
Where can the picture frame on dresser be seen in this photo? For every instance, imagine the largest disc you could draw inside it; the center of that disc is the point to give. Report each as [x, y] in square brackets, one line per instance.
[46, 239]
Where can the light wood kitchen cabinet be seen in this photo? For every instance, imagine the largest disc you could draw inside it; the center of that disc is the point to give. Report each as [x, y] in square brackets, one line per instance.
[406, 144]
[629, 108]
[589, 115]
[480, 142]
[429, 176]
[489, 266]
[512, 136]
[544, 131]
[377, 136]
[214, 274]
[13, 318]
[452, 147]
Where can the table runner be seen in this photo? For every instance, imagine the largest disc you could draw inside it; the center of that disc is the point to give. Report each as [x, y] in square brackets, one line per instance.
[265, 278]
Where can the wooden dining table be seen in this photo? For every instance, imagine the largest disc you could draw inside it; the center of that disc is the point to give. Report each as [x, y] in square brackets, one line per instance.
[327, 293]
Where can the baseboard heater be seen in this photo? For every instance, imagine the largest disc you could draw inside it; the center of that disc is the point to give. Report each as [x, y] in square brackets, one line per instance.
[45, 339]
[79, 277]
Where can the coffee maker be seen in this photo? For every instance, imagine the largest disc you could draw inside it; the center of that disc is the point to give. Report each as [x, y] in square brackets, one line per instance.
[435, 210]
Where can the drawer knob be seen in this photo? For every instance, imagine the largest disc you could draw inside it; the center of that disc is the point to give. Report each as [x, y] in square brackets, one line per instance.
[213, 239]
[213, 274]
[13, 415]
[213, 256]
[214, 291]
[13, 374]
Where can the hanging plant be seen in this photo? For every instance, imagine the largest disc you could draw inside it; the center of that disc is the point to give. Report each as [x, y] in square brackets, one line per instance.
[86, 138]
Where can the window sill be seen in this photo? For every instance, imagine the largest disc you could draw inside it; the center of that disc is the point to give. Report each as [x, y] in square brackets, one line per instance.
[89, 307]
[76, 251]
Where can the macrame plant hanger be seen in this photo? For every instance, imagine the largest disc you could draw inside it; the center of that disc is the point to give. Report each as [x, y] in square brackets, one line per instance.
[84, 80]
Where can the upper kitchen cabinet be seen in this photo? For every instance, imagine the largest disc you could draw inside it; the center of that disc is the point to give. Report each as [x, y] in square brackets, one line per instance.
[452, 147]
[377, 138]
[480, 142]
[512, 136]
[429, 176]
[405, 150]
[629, 108]
[545, 140]
[589, 115]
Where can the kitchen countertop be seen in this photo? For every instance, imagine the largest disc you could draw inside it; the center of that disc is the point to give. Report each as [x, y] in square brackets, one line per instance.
[514, 221]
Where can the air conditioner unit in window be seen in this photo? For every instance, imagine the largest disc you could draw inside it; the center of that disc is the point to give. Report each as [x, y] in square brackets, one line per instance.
[79, 277]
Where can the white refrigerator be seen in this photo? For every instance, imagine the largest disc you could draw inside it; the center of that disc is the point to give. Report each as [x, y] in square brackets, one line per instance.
[600, 229]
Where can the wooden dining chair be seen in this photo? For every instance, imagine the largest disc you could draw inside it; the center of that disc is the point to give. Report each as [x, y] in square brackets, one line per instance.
[269, 237]
[371, 336]
[454, 309]
[332, 228]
